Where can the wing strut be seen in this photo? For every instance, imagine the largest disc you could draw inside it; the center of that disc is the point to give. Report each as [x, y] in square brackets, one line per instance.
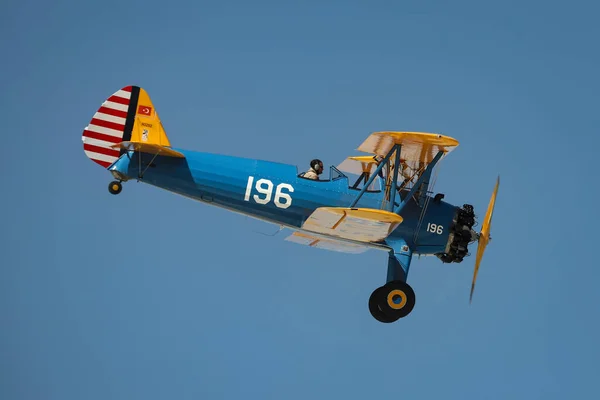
[422, 181]
[397, 167]
[374, 175]
[417, 150]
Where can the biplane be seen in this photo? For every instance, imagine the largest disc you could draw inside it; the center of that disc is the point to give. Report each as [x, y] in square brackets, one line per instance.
[390, 206]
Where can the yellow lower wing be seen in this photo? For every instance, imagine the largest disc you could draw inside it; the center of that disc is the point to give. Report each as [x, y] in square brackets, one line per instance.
[360, 224]
[326, 243]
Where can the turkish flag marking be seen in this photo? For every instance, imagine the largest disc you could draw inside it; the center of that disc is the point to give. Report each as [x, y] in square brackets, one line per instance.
[145, 110]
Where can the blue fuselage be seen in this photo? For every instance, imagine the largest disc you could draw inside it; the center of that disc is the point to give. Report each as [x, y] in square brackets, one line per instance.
[274, 192]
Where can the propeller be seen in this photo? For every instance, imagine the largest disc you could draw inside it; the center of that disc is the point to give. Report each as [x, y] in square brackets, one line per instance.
[484, 236]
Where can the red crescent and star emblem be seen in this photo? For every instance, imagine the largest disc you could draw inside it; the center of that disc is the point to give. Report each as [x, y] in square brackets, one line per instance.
[145, 110]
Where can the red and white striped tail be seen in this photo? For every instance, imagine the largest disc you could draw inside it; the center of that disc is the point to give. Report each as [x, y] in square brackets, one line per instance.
[108, 126]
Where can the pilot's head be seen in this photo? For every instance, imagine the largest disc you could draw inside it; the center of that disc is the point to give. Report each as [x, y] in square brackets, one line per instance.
[317, 165]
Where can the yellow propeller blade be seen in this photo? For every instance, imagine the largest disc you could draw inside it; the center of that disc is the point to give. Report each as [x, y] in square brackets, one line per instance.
[484, 236]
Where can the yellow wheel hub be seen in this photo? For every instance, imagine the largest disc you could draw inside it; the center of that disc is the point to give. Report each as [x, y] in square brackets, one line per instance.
[115, 187]
[390, 299]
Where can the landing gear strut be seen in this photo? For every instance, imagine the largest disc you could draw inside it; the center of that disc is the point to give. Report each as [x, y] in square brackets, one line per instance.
[392, 301]
[115, 187]
[395, 299]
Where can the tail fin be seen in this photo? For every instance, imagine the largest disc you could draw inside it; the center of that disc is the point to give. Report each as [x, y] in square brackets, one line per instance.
[128, 115]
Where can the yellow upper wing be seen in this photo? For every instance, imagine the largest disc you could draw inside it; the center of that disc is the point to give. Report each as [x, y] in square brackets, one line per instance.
[358, 164]
[416, 146]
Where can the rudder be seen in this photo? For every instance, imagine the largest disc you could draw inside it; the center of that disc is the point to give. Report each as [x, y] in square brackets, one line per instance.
[128, 115]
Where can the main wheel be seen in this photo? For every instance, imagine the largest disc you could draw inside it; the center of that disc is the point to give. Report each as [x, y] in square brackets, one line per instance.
[392, 301]
[375, 307]
[115, 187]
[399, 299]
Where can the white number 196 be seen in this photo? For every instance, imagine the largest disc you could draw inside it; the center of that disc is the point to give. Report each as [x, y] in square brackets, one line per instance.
[435, 228]
[265, 188]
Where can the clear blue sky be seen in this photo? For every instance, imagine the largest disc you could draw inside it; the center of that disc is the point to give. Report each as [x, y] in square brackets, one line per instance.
[148, 295]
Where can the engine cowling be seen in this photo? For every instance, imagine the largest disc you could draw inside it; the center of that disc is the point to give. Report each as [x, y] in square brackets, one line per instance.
[461, 235]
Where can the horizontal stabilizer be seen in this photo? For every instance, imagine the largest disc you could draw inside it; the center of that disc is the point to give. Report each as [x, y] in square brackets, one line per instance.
[325, 243]
[360, 224]
[149, 148]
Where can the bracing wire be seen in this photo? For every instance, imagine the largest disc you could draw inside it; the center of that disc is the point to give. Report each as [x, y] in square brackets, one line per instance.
[427, 199]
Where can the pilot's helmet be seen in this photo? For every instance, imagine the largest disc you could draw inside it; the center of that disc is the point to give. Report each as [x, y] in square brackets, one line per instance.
[317, 165]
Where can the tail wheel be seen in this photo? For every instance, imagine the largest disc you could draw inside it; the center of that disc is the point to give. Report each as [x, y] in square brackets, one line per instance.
[115, 187]
[393, 301]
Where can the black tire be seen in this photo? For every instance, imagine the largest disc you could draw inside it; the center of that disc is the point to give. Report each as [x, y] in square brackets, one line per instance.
[115, 187]
[397, 299]
[375, 307]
